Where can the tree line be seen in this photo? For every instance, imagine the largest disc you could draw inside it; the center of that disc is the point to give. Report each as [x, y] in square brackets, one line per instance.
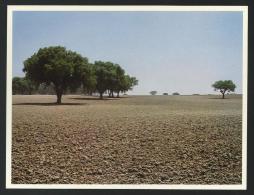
[64, 70]
[223, 86]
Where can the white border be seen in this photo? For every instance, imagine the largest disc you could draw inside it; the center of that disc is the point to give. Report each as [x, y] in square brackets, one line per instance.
[12, 8]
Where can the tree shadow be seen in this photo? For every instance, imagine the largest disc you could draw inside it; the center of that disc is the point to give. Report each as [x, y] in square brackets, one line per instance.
[217, 98]
[49, 104]
[94, 98]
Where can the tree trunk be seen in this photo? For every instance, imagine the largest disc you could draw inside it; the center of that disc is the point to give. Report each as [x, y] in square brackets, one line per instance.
[118, 94]
[59, 98]
[112, 94]
[101, 96]
[59, 93]
[223, 95]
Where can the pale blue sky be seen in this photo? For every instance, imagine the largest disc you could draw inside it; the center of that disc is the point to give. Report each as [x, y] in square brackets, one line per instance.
[167, 51]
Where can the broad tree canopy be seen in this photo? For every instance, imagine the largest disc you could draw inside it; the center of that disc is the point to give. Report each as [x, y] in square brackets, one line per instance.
[63, 68]
[112, 77]
[224, 86]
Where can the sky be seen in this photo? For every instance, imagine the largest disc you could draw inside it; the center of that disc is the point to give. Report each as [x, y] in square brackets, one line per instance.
[183, 52]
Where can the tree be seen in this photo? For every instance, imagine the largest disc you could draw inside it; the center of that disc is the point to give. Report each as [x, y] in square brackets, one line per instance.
[175, 93]
[22, 85]
[133, 82]
[63, 68]
[165, 94]
[103, 76]
[224, 86]
[128, 83]
[111, 77]
[89, 85]
[89, 80]
[46, 89]
[120, 80]
[153, 92]
[17, 86]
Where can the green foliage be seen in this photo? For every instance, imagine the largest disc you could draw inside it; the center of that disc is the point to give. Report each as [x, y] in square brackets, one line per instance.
[66, 71]
[128, 83]
[153, 92]
[175, 93]
[103, 75]
[63, 68]
[224, 86]
[111, 77]
[21, 85]
[46, 89]
[165, 94]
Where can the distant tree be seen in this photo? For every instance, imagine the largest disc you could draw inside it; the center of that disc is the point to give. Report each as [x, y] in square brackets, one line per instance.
[18, 86]
[165, 94]
[103, 76]
[128, 83]
[89, 85]
[46, 89]
[111, 78]
[224, 86]
[89, 81]
[63, 68]
[120, 80]
[31, 86]
[22, 85]
[175, 93]
[113, 75]
[153, 92]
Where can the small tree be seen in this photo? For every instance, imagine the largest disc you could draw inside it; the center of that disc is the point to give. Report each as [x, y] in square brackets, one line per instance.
[153, 92]
[63, 68]
[224, 86]
[165, 94]
[175, 93]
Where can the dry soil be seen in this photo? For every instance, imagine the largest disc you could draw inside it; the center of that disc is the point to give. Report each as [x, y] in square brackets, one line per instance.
[130, 140]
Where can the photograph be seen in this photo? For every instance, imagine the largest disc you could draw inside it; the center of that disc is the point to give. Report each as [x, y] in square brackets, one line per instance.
[142, 97]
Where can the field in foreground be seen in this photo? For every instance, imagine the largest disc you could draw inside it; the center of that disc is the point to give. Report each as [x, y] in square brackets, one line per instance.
[138, 139]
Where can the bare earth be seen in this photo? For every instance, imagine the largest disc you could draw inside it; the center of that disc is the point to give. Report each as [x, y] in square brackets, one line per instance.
[137, 139]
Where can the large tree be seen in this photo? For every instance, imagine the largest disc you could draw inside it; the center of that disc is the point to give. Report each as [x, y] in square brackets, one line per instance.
[224, 86]
[63, 68]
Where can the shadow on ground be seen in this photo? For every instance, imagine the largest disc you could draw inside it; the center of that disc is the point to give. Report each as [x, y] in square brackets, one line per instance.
[216, 98]
[50, 104]
[94, 98]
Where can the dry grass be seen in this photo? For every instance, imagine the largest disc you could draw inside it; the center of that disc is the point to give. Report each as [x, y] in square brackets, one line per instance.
[139, 139]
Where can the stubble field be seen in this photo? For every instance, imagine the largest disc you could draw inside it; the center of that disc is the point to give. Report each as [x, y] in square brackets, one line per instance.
[130, 140]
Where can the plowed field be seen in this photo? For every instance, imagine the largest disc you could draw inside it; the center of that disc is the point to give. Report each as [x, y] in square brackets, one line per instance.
[129, 140]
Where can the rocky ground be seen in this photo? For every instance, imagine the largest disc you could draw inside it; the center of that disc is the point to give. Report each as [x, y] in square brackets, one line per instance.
[131, 140]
